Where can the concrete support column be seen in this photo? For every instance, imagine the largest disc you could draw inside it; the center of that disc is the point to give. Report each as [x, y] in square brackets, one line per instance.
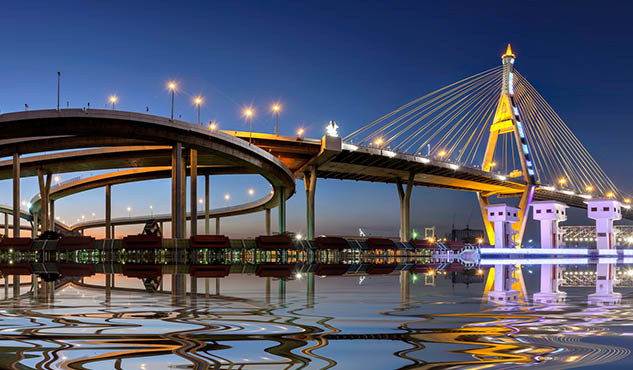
[405, 287]
[282, 210]
[193, 184]
[405, 204]
[268, 221]
[45, 189]
[51, 211]
[6, 224]
[16, 196]
[207, 229]
[503, 216]
[34, 224]
[217, 226]
[177, 205]
[16, 286]
[310, 178]
[109, 231]
[550, 213]
[310, 288]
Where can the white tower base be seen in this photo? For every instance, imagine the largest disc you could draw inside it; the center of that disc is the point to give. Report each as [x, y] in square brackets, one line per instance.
[605, 299]
[550, 297]
[503, 297]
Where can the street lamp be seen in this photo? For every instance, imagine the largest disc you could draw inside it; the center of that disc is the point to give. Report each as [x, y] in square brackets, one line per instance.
[198, 101]
[212, 125]
[56, 178]
[113, 100]
[562, 181]
[251, 192]
[300, 132]
[276, 109]
[227, 198]
[248, 113]
[172, 86]
[378, 142]
[151, 210]
[129, 211]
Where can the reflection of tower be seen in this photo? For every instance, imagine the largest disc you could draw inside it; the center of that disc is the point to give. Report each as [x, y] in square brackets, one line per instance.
[550, 213]
[604, 211]
[502, 216]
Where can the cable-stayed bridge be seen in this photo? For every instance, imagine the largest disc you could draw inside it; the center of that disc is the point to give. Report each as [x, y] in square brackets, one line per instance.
[491, 133]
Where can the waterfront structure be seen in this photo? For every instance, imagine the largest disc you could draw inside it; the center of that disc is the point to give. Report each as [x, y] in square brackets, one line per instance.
[550, 214]
[502, 217]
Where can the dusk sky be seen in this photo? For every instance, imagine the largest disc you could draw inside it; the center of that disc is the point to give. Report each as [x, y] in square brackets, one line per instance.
[329, 60]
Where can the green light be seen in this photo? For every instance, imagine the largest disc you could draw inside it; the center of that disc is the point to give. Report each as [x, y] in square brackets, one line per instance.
[414, 235]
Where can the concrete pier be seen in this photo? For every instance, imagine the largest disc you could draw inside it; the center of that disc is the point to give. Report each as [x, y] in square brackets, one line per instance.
[405, 206]
[550, 214]
[502, 216]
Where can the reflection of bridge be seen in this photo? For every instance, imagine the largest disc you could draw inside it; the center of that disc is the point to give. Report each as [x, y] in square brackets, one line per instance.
[491, 134]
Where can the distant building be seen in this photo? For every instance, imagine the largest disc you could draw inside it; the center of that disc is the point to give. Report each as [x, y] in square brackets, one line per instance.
[585, 236]
[466, 235]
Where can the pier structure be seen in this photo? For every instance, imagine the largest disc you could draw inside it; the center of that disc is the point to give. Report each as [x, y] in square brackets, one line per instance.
[502, 217]
[550, 214]
[605, 211]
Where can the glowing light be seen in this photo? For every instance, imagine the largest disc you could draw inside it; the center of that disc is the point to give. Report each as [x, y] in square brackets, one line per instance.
[171, 85]
[200, 200]
[298, 236]
[248, 112]
[562, 181]
[56, 178]
[588, 188]
[212, 125]
[610, 194]
[480, 240]
[298, 276]
[113, 99]
[493, 164]
[501, 177]
[627, 200]
[378, 141]
[227, 196]
[480, 271]
[453, 167]
[276, 108]
[198, 100]
[300, 132]
[24, 203]
[251, 191]
[129, 209]
[442, 153]
[508, 52]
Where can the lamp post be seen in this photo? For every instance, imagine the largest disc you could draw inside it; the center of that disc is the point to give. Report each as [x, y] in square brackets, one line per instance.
[249, 114]
[129, 211]
[113, 100]
[227, 198]
[172, 87]
[198, 101]
[276, 109]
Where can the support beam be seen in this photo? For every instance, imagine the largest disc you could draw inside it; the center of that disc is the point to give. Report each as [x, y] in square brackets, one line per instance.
[405, 206]
[309, 178]
[268, 221]
[207, 229]
[193, 185]
[109, 234]
[282, 210]
[16, 196]
[217, 226]
[6, 224]
[51, 211]
[176, 191]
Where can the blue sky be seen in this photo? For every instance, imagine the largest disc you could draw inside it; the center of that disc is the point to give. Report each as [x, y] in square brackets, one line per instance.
[341, 60]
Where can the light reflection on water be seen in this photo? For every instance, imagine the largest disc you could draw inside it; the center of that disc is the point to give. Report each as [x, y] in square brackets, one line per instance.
[387, 322]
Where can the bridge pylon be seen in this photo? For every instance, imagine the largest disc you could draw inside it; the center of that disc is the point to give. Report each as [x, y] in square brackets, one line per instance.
[507, 121]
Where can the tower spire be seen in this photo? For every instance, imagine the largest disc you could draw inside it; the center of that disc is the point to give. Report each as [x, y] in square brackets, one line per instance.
[508, 52]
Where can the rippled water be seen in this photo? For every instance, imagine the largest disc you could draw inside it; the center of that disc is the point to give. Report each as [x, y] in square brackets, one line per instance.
[347, 322]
